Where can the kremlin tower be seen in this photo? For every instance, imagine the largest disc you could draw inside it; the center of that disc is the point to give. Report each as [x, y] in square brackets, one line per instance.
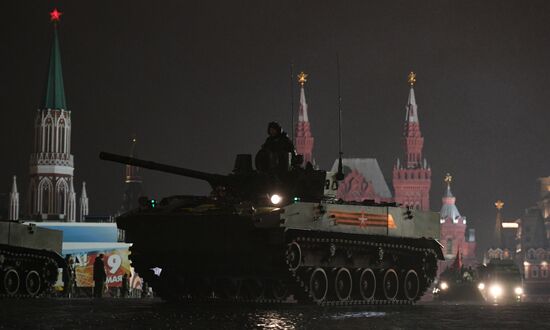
[303, 140]
[497, 233]
[51, 190]
[133, 184]
[412, 177]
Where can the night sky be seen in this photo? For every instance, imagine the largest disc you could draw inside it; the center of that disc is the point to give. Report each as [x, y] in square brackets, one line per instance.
[197, 82]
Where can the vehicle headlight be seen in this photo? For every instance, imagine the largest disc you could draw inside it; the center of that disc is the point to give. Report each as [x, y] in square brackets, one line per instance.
[275, 199]
[495, 290]
[444, 286]
[481, 286]
[518, 290]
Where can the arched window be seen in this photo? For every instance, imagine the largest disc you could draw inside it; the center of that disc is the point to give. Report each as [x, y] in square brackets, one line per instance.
[531, 254]
[61, 196]
[535, 271]
[46, 196]
[49, 135]
[61, 136]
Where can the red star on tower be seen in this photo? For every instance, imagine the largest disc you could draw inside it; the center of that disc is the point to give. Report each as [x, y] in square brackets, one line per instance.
[55, 15]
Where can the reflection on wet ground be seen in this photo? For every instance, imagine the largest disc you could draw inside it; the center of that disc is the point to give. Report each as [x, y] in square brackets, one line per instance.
[155, 314]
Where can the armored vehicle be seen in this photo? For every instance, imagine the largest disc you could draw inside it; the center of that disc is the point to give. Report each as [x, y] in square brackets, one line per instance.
[458, 284]
[29, 259]
[501, 281]
[278, 234]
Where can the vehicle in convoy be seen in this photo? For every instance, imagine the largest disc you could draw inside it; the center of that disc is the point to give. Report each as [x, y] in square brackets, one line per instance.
[29, 259]
[458, 284]
[501, 281]
[278, 234]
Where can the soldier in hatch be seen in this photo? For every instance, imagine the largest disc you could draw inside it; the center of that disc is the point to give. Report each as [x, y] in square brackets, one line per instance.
[276, 151]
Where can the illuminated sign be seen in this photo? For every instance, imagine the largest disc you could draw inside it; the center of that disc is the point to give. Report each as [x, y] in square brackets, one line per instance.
[116, 265]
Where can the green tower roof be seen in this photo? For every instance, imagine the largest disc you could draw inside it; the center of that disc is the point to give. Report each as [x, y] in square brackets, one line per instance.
[55, 92]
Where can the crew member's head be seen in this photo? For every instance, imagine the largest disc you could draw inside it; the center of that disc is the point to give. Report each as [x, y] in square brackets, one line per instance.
[274, 129]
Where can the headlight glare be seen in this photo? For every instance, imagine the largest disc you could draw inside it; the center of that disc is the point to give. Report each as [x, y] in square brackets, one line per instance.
[275, 199]
[495, 290]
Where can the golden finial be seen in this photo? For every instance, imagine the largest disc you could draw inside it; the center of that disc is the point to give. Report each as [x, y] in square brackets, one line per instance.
[412, 78]
[302, 78]
[448, 179]
[499, 204]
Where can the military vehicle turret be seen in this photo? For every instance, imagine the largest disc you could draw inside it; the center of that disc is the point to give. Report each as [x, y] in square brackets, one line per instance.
[29, 259]
[278, 234]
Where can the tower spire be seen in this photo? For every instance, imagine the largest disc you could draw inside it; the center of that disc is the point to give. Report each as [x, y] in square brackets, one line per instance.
[14, 201]
[449, 211]
[497, 236]
[448, 179]
[71, 203]
[302, 116]
[412, 135]
[55, 91]
[412, 108]
[412, 113]
[83, 203]
[412, 176]
[304, 138]
[132, 182]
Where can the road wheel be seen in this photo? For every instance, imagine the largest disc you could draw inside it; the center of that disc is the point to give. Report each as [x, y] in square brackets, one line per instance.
[411, 285]
[318, 285]
[390, 284]
[342, 284]
[11, 282]
[367, 284]
[32, 283]
[294, 256]
[278, 289]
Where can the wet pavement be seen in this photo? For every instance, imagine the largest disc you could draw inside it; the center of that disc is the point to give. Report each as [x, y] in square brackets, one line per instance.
[155, 314]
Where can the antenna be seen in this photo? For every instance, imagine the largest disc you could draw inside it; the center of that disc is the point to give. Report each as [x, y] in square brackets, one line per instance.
[292, 99]
[340, 173]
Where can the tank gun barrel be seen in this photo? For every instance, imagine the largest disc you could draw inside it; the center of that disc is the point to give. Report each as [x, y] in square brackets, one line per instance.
[212, 179]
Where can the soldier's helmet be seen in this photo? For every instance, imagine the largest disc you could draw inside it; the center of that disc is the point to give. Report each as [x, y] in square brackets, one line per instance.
[274, 125]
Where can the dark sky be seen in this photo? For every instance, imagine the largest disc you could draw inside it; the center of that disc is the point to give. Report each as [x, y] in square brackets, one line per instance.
[197, 82]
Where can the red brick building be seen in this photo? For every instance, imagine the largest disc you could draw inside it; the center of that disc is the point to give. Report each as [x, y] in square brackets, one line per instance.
[455, 235]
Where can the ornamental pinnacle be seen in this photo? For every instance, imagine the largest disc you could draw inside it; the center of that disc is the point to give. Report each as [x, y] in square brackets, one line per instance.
[412, 78]
[302, 78]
